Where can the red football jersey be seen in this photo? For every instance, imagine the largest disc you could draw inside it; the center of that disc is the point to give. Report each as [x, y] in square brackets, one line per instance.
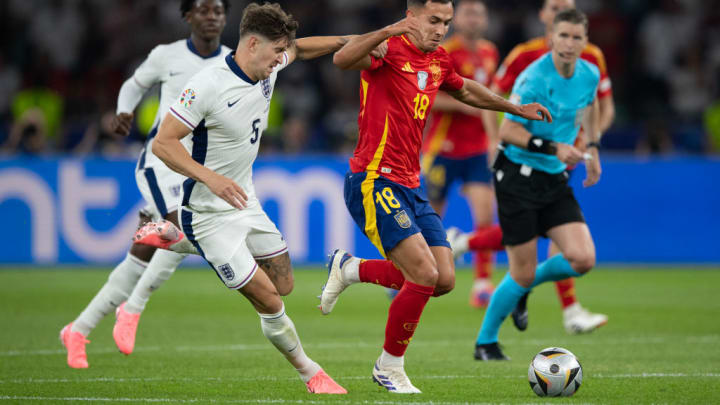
[396, 93]
[457, 135]
[526, 53]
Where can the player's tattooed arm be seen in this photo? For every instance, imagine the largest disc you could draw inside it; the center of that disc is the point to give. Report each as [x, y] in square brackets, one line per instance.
[477, 95]
[279, 270]
[314, 47]
[355, 55]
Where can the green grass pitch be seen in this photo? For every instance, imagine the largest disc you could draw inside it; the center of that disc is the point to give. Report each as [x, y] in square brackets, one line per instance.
[200, 343]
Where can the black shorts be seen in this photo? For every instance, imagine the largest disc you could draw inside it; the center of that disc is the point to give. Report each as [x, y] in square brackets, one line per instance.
[531, 202]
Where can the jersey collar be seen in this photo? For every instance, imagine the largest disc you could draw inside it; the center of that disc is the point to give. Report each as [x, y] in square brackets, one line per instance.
[412, 46]
[230, 59]
[194, 50]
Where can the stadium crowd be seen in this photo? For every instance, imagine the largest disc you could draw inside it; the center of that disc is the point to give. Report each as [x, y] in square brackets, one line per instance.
[63, 62]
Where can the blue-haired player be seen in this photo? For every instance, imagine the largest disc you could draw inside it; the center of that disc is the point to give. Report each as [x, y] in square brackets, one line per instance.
[531, 181]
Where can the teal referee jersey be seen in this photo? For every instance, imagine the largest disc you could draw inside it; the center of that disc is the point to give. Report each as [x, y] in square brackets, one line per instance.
[565, 98]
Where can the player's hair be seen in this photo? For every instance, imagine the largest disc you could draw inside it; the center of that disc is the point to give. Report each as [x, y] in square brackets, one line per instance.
[268, 20]
[573, 16]
[187, 5]
[420, 3]
[457, 3]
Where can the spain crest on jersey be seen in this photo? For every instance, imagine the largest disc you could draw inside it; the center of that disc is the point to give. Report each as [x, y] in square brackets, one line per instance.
[266, 88]
[403, 219]
[422, 77]
[435, 71]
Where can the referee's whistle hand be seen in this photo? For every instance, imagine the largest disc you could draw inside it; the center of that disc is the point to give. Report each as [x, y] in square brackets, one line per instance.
[568, 154]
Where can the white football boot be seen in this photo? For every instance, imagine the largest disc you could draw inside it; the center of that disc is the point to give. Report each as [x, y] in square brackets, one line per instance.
[335, 283]
[458, 241]
[394, 380]
[577, 319]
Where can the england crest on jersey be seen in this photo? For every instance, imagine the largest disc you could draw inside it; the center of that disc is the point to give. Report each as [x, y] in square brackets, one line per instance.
[227, 271]
[266, 88]
[422, 77]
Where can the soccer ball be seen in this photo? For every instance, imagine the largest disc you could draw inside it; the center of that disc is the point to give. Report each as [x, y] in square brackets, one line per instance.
[555, 372]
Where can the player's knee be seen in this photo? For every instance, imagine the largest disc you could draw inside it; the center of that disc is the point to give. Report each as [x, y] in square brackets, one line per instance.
[524, 275]
[444, 286]
[286, 287]
[427, 273]
[582, 262]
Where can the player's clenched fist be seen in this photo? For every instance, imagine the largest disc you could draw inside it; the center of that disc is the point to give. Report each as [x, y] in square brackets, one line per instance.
[228, 190]
[535, 111]
[121, 123]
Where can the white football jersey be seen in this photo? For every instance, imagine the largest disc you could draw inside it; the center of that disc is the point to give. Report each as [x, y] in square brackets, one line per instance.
[171, 65]
[227, 112]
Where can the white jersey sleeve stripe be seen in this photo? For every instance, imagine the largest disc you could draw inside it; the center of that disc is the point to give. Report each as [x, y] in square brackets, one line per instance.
[181, 118]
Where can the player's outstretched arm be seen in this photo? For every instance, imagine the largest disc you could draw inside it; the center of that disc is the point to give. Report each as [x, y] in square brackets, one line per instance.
[477, 95]
[315, 47]
[168, 148]
[592, 133]
[355, 55]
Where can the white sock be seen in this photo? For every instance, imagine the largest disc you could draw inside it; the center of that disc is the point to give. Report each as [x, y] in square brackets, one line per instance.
[280, 330]
[388, 360]
[478, 284]
[120, 283]
[462, 243]
[184, 247]
[351, 271]
[161, 267]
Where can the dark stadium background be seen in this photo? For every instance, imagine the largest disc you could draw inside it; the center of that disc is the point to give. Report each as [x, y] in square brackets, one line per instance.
[63, 62]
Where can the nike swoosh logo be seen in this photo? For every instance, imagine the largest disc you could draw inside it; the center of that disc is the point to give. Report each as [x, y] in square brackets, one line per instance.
[175, 73]
[232, 104]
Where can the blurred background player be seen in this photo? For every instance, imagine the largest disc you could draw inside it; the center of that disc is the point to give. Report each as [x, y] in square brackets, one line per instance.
[531, 181]
[576, 319]
[456, 147]
[382, 189]
[145, 269]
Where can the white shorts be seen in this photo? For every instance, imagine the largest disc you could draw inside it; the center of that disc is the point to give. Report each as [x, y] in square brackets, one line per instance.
[230, 242]
[161, 188]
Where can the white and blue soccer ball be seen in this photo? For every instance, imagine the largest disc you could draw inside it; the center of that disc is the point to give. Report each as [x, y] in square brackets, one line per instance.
[555, 372]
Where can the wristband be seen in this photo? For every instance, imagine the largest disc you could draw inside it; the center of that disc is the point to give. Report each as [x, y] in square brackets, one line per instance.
[593, 145]
[537, 144]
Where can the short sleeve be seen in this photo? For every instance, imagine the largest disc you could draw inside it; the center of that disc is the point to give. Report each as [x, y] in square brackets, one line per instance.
[509, 70]
[284, 64]
[193, 104]
[524, 92]
[452, 80]
[151, 70]
[375, 63]
[596, 57]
